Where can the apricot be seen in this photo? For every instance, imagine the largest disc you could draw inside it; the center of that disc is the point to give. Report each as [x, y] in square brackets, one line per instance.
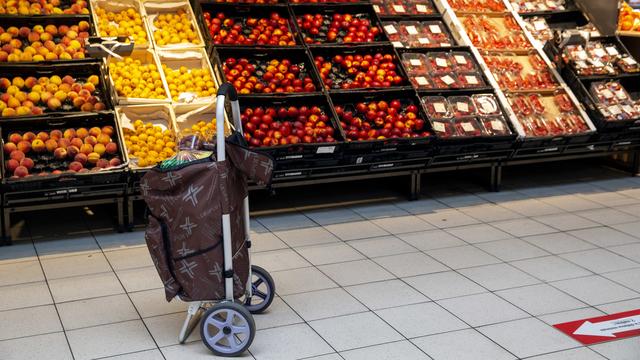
[86, 149]
[38, 145]
[93, 158]
[99, 148]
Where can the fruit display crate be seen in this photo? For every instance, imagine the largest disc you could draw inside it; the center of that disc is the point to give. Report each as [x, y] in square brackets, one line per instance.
[402, 9]
[51, 175]
[543, 8]
[305, 126]
[183, 9]
[259, 61]
[248, 20]
[338, 73]
[104, 17]
[78, 80]
[148, 59]
[413, 32]
[383, 127]
[336, 24]
[69, 32]
[46, 8]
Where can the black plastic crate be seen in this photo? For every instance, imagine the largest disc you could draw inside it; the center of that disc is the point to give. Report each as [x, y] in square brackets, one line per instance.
[388, 149]
[110, 175]
[57, 20]
[569, 7]
[405, 9]
[339, 77]
[297, 55]
[358, 11]
[400, 36]
[240, 12]
[326, 2]
[79, 71]
[563, 20]
[299, 155]
[64, 4]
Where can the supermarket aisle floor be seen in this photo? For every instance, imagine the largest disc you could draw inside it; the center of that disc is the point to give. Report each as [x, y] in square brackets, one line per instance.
[471, 275]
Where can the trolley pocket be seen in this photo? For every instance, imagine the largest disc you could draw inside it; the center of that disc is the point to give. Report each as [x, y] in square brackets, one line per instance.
[157, 238]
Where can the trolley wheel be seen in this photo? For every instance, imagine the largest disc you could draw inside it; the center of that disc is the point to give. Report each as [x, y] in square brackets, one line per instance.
[263, 290]
[227, 329]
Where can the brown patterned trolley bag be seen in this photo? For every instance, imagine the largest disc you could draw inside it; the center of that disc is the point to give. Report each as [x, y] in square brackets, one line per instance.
[198, 238]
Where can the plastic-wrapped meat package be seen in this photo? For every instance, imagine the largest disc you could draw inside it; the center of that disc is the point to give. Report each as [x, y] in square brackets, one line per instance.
[436, 107]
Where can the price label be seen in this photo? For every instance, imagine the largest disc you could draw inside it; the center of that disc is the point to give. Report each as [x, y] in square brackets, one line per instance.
[439, 127]
[435, 29]
[462, 107]
[581, 64]
[529, 6]
[447, 80]
[423, 40]
[460, 60]
[445, 44]
[607, 94]
[376, 8]
[629, 109]
[412, 30]
[471, 79]
[539, 25]
[422, 8]
[497, 125]
[440, 108]
[441, 62]
[466, 126]
[399, 8]
[597, 63]
[397, 44]
[326, 150]
[621, 95]
[415, 62]
[629, 61]
[422, 81]
[390, 29]
[582, 55]
[611, 50]
[615, 110]
[599, 52]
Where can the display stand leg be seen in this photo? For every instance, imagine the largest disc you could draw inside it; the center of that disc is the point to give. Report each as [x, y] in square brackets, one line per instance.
[496, 177]
[130, 213]
[635, 163]
[120, 202]
[6, 227]
[416, 178]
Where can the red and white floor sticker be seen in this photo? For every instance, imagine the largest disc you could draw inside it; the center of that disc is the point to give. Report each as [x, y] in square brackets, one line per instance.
[603, 328]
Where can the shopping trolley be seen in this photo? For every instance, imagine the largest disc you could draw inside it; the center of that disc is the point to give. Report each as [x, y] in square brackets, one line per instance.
[227, 326]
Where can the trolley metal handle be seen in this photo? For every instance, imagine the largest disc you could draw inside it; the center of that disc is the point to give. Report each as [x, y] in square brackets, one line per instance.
[226, 90]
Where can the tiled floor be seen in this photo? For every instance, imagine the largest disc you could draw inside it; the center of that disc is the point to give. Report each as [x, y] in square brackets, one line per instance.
[460, 274]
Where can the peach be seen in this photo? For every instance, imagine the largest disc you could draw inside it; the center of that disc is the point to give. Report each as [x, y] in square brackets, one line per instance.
[69, 134]
[51, 29]
[62, 29]
[28, 104]
[15, 138]
[68, 79]
[115, 162]
[72, 151]
[46, 37]
[12, 164]
[107, 130]
[77, 56]
[37, 110]
[77, 142]
[56, 172]
[75, 166]
[24, 146]
[21, 171]
[42, 136]
[38, 58]
[84, 93]
[104, 139]
[77, 88]
[60, 95]
[111, 148]
[51, 87]
[91, 140]
[82, 133]
[23, 110]
[55, 79]
[8, 112]
[33, 37]
[95, 131]
[21, 96]
[72, 94]
[30, 82]
[5, 97]
[51, 145]
[9, 147]
[16, 155]
[13, 102]
[27, 162]
[89, 87]
[100, 149]
[49, 45]
[93, 79]
[81, 158]
[64, 143]
[83, 26]
[54, 104]
[51, 56]
[78, 102]
[3, 56]
[4, 83]
[87, 107]
[66, 88]
[102, 163]
[93, 157]
[65, 56]
[34, 96]
[38, 145]
[84, 170]
[56, 134]
[29, 136]
[60, 153]
[45, 96]
[86, 149]
[99, 106]
[92, 100]
[71, 34]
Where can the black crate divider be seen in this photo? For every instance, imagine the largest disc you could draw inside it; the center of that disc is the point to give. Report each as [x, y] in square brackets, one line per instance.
[68, 180]
[299, 10]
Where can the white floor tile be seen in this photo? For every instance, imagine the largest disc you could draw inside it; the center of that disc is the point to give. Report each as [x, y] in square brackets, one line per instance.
[115, 241]
[140, 355]
[278, 260]
[444, 285]
[595, 290]
[482, 309]
[604, 236]
[67, 266]
[385, 294]
[85, 287]
[278, 314]
[355, 331]
[129, 258]
[528, 337]
[631, 228]
[631, 251]
[109, 340]
[463, 257]
[18, 252]
[620, 306]
[20, 272]
[531, 207]
[306, 236]
[403, 224]
[410, 264]
[97, 311]
[333, 216]
[378, 211]
[195, 351]
[608, 198]
[329, 253]
[288, 343]
[67, 246]
[266, 241]
[356, 230]
[478, 233]
[285, 221]
[381, 246]
[153, 303]
[24, 295]
[28, 322]
[465, 344]
[558, 243]
[498, 276]
[632, 210]
[490, 213]
[431, 240]
[566, 222]
[600, 260]
[140, 279]
[165, 329]
[421, 206]
[627, 349]
[301, 280]
[459, 199]
[551, 268]
[49, 346]
[333, 356]
[571, 203]
[523, 227]
[540, 299]
[570, 315]
[322, 304]
[447, 218]
[421, 319]
[629, 278]
[396, 350]
[607, 216]
[512, 249]
[356, 272]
